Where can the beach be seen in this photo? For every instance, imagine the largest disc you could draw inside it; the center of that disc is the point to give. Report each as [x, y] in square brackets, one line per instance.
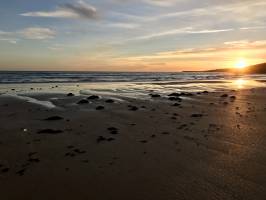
[194, 145]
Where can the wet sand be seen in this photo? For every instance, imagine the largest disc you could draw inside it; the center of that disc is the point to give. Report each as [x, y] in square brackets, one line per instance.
[205, 146]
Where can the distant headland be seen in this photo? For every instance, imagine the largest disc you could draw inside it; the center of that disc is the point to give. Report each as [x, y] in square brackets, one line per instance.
[253, 69]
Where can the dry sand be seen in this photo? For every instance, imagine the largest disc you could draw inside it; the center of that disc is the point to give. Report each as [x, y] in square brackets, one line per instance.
[203, 149]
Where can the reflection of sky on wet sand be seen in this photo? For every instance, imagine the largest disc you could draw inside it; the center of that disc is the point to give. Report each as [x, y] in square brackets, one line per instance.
[133, 89]
[246, 83]
[243, 129]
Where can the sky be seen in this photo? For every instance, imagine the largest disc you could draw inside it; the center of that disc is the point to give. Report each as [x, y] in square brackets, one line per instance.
[131, 35]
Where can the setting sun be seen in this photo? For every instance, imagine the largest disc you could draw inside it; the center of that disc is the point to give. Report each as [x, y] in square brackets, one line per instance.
[241, 64]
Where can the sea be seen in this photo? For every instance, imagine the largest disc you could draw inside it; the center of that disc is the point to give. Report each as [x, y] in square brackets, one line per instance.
[128, 84]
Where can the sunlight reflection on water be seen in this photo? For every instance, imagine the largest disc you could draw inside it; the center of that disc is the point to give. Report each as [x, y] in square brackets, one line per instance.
[246, 83]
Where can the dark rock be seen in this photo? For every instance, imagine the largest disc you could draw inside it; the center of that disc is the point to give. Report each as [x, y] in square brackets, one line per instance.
[36, 160]
[232, 97]
[93, 97]
[67, 154]
[113, 130]
[143, 141]
[49, 131]
[70, 95]
[155, 95]
[182, 126]
[100, 139]
[79, 151]
[54, 118]
[197, 115]
[21, 172]
[109, 101]
[174, 94]
[186, 94]
[133, 108]
[224, 95]
[5, 170]
[31, 154]
[205, 92]
[176, 104]
[175, 99]
[99, 108]
[110, 139]
[83, 101]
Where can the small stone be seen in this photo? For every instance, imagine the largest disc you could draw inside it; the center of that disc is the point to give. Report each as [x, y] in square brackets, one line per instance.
[196, 115]
[5, 170]
[93, 97]
[175, 99]
[100, 139]
[133, 108]
[174, 95]
[224, 95]
[109, 101]
[70, 95]
[54, 118]
[155, 95]
[49, 131]
[99, 107]
[83, 101]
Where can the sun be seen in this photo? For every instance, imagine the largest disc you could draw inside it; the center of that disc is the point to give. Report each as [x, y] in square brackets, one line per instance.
[241, 64]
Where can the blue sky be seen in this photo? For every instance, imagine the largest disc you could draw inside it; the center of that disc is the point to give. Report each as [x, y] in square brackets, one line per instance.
[130, 35]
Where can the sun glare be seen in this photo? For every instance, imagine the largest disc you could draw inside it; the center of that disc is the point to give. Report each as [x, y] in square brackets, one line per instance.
[241, 64]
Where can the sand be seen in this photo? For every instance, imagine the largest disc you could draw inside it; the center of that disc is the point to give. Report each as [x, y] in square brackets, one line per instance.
[208, 147]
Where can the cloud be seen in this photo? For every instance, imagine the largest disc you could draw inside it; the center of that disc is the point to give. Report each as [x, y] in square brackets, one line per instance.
[37, 33]
[245, 44]
[32, 33]
[123, 25]
[207, 52]
[233, 10]
[75, 11]
[164, 3]
[10, 40]
[161, 3]
[186, 30]
[8, 37]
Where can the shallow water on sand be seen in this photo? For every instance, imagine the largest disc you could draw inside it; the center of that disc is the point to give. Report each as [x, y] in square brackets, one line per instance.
[133, 85]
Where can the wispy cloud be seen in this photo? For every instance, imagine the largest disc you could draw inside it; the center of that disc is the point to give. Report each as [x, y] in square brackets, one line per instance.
[9, 40]
[164, 3]
[185, 30]
[234, 10]
[122, 25]
[205, 52]
[32, 33]
[8, 37]
[161, 3]
[75, 10]
[37, 33]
